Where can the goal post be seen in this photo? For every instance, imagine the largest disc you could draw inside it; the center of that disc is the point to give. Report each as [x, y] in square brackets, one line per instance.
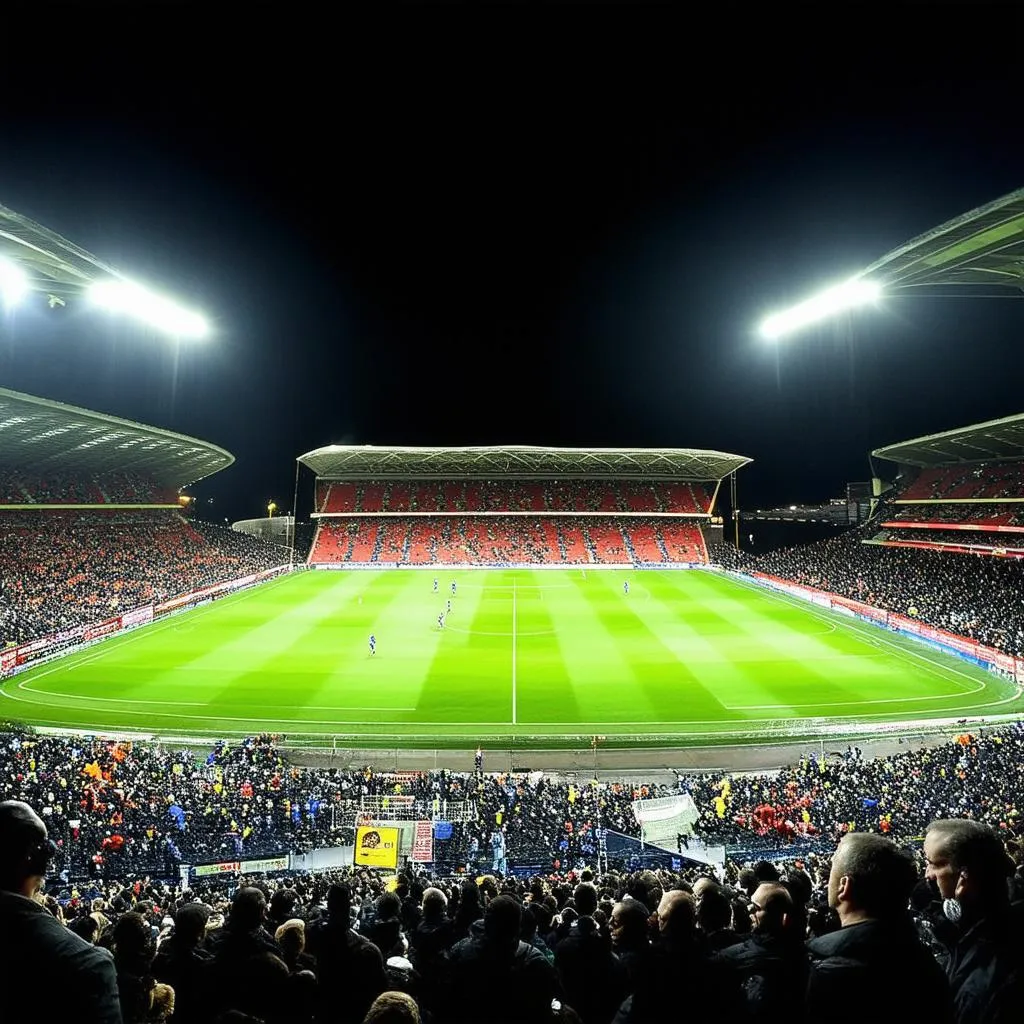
[663, 818]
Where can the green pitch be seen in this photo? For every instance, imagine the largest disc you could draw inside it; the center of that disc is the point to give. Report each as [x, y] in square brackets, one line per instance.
[525, 657]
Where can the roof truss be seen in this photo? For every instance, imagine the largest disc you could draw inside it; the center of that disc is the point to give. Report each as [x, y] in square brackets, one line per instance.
[369, 461]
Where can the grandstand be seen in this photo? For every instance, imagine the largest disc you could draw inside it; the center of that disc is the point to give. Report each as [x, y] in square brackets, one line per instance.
[514, 506]
[93, 534]
[961, 491]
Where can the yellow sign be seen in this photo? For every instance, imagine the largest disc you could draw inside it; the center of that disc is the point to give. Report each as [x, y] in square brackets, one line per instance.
[376, 847]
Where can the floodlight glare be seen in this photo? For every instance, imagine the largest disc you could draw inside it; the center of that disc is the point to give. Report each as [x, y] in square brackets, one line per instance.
[144, 305]
[855, 292]
[13, 283]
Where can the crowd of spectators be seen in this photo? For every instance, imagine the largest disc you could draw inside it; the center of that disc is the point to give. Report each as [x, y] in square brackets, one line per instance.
[512, 496]
[870, 924]
[976, 597]
[977, 515]
[976, 480]
[22, 487]
[505, 540]
[65, 569]
[118, 808]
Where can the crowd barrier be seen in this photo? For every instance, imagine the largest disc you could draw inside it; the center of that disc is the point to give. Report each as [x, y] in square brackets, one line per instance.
[15, 659]
[950, 643]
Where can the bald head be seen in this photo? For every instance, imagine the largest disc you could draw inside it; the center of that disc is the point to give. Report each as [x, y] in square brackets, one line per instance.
[677, 914]
[23, 848]
[770, 906]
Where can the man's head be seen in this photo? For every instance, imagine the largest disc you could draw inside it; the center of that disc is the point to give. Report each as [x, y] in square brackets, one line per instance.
[502, 921]
[713, 910]
[435, 904]
[339, 903]
[248, 909]
[703, 885]
[871, 878]
[628, 923]
[190, 924]
[968, 863]
[677, 915]
[25, 850]
[770, 907]
[585, 899]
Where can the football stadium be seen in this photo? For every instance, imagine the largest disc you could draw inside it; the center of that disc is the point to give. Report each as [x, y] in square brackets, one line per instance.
[516, 597]
[543, 683]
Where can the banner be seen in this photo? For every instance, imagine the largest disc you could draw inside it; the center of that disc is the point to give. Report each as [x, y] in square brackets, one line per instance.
[137, 617]
[216, 869]
[266, 864]
[102, 629]
[423, 843]
[376, 847]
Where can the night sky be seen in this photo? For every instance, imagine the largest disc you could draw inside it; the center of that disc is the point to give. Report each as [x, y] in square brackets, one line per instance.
[555, 225]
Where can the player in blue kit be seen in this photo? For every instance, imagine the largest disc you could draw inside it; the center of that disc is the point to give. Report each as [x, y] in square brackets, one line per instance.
[625, 587]
[373, 645]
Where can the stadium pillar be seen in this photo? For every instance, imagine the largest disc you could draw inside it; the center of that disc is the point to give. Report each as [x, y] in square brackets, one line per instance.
[735, 507]
[295, 515]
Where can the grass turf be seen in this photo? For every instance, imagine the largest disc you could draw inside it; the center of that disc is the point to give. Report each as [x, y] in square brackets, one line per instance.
[526, 657]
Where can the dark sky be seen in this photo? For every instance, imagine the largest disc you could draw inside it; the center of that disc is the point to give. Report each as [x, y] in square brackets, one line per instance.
[554, 225]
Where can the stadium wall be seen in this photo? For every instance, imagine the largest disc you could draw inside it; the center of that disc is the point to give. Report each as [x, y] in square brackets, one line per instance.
[949, 643]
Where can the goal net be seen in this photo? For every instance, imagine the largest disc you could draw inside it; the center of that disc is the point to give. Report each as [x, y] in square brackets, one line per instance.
[664, 818]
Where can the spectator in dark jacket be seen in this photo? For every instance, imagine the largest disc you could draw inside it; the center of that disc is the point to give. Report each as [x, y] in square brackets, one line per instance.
[239, 946]
[350, 969]
[592, 978]
[676, 972]
[495, 976]
[182, 964]
[429, 943]
[771, 965]
[38, 955]
[968, 864]
[876, 951]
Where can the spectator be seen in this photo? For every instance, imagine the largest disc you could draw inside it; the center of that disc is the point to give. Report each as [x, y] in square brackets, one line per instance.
[592, 978]
[969, 866]
[38, 955]
[876, 950]
[185, 966]
[496, 976]
[350, 969]
[770, 965]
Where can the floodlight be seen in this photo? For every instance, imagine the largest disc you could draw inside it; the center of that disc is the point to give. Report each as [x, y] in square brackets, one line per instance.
[855, 292]
[13, 283]
[144, 305]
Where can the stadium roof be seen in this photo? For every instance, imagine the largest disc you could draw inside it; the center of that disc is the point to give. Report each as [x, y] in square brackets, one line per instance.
[984, 442]
[43, 261]
[368, 461]
[53, 264]
[46, 436]
[980, 252]
[983, 247]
